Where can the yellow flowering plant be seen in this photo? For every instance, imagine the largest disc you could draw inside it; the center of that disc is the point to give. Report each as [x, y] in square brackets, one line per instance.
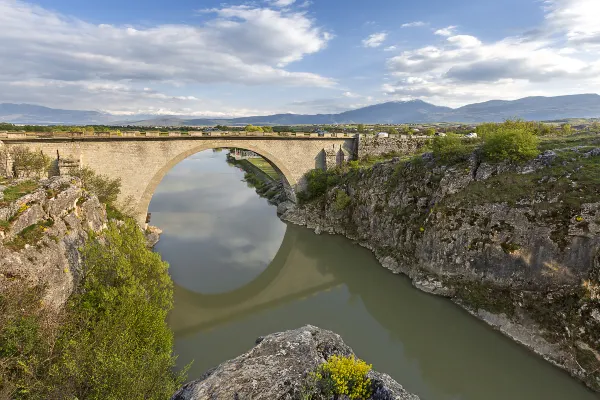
[344, 376]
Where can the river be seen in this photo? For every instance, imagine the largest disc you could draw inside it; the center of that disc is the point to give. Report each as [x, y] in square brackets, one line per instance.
[240, 272]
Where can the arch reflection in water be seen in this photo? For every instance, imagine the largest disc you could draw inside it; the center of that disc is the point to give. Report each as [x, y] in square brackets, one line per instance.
[427, 343]
[211, 220]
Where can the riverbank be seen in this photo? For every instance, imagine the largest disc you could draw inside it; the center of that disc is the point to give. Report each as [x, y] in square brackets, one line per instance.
[263, 178]
[515, 245]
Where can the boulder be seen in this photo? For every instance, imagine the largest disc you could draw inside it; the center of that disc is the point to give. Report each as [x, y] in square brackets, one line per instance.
[278, 367]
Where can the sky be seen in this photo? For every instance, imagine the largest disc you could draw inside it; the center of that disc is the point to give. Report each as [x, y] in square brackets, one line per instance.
[215, 59]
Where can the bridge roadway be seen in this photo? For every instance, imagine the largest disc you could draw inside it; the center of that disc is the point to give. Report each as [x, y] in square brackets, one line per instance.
[141, 162]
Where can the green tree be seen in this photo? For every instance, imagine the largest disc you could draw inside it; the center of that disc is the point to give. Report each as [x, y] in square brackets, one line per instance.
[119, 344]
[252, 128]
[360, 128]
[27, 163]
[566, 129]
[429, 132]
[510, 143]
[267, 129]
[544, 129]
[392, 131]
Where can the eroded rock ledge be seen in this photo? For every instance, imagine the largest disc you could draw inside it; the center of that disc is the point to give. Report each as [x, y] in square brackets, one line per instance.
[277, 368]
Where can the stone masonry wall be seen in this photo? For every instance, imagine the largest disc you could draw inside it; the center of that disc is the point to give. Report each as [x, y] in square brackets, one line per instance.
[376, 146]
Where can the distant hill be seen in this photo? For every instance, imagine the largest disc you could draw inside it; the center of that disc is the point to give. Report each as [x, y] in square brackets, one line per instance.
[394, 112]
[32, 114]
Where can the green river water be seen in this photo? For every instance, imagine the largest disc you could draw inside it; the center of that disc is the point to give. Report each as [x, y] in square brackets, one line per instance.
[240, 273]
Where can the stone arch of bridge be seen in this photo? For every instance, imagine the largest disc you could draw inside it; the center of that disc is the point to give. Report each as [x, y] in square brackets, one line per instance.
[278, 164]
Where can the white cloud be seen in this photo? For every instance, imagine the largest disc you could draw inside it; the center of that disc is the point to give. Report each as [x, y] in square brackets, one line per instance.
[282, 3]
[246, 45]
[447, 31]
[465, 69]
[414, 24]
[578, 18]
[390, 48]
[351, 95]
[375, 40]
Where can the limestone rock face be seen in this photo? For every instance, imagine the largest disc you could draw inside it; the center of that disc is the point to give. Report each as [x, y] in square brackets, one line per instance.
[62, 214]
[277, 368]
[517, 257]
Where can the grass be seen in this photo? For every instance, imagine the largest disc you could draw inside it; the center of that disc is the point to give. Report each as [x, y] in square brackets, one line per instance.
[30, 235]
[579, 139]
[265, 167]
[12, 193]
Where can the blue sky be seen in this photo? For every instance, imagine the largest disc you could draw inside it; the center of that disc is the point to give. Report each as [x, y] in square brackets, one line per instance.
[209, 58]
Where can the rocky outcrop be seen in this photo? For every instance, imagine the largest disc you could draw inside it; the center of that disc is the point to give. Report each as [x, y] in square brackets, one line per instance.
[517, 245]
[278, 368]
[152, 234]
[42, 232]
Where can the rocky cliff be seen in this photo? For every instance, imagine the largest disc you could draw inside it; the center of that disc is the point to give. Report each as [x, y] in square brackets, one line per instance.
[517, 245]
[278, 367]
[41, 233]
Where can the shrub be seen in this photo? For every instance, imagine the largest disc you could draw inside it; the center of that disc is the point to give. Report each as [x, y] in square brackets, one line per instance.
[344, 376]
[112, 340]
[510, 143]
[342, 200]
[450, 148]
[429, 132]
[118, 344]
[317, 183]
[106, 189]
[27, 163]
[252, 128]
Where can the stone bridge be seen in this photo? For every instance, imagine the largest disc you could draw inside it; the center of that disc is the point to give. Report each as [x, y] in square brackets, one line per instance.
[142, 162]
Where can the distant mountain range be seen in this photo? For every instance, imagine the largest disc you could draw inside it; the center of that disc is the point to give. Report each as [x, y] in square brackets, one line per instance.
[395, 112]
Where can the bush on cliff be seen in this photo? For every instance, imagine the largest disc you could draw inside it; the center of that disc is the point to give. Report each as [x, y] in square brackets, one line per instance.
[317, 183]
[26, 163]
[511, 144]
[340, 377]
[120, 345]
[107, 190]
[451, 148]
[110, 342]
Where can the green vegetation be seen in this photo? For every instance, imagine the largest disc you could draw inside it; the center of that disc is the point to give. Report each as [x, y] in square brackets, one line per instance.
[513, 141]
[452, 148]
[112, 341]
[342, 200]
[107, 190]
[15, 192]
[340, 376]
[252, 128]
[265, 167]
[317, 183]
[29, 163]
[29, 236]
[429, 132]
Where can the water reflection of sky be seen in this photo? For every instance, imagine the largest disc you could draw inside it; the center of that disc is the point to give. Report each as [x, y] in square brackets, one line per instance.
[210, 220]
